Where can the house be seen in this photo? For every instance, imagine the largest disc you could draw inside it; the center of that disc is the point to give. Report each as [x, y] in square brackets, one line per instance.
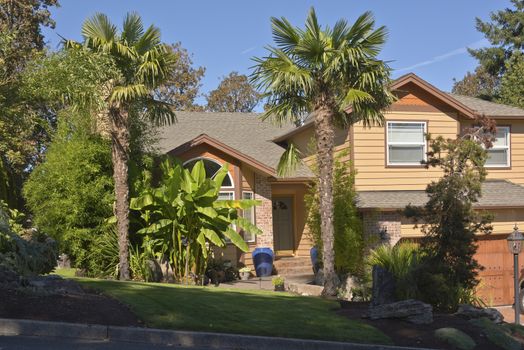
[389, 174]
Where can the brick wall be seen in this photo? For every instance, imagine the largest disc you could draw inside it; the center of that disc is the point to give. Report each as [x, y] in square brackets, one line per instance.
[264, 212]
[383, 226]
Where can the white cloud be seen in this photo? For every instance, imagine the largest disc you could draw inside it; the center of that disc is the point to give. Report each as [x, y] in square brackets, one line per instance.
[439, 58]
[249, 49]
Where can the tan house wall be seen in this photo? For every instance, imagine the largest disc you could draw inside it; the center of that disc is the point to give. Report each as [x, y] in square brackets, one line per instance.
[369, 150]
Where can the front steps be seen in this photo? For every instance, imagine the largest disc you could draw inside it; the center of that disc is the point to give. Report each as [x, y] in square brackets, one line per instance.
[293, 266]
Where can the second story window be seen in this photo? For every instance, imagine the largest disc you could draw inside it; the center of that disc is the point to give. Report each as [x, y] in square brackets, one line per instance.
[499, 155]
[406, 142]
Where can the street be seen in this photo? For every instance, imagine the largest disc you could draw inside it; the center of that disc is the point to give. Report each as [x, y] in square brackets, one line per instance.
[50, 343]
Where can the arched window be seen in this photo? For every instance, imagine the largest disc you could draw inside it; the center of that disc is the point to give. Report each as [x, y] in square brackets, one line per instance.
[212, 167]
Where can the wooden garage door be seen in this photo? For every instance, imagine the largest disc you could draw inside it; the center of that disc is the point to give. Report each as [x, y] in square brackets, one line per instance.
[496, 280]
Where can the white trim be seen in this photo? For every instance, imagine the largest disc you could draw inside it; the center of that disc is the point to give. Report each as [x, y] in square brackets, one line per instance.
[507, 147]
[216, 162]
[253, 216]
[388, 143]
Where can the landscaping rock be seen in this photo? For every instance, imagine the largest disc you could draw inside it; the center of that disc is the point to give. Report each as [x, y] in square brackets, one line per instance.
[10, 279]
[156, 271]
[345, 288]
[384, 286]
[471, 312]
[63, 262]
[413, 311]
[319, 277]
[54, 284]
[456, 338]
[304, 289]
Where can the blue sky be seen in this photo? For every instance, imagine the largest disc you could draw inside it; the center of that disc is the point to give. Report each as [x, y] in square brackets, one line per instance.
[426, 37]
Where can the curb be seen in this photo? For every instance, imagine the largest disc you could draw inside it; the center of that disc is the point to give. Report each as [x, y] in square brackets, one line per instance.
[13, 327]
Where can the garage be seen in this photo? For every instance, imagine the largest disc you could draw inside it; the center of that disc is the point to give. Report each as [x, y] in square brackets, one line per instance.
[496, 280]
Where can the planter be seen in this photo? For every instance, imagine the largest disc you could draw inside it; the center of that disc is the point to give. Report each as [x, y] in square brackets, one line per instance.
[280, 288]
[263, 261]
[244, 276]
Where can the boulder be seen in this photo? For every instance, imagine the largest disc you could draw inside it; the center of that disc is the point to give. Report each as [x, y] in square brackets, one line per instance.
[156, 270]
[63, 262]
[319, 277]
[472, 312]
[384, 286]
[410, 310]
[345, 288]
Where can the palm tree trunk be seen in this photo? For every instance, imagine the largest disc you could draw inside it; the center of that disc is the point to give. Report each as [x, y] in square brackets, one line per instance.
[120, 156]
[325, 137]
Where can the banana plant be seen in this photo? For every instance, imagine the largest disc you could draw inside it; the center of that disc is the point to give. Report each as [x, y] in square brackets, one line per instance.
[185, 218]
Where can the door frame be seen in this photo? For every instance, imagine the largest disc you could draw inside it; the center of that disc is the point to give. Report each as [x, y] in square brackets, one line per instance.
[292, 251]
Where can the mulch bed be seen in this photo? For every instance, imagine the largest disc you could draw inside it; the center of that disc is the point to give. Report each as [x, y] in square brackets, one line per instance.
[87, 308]
[407, 334]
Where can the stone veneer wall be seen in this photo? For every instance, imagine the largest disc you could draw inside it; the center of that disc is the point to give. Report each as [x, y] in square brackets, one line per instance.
[385, 225]
[264, 212]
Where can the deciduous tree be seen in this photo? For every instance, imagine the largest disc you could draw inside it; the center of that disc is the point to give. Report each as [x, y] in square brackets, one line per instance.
[233, 94]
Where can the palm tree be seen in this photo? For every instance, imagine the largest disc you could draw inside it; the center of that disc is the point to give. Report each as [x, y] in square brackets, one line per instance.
[143, 63]
[334, 75]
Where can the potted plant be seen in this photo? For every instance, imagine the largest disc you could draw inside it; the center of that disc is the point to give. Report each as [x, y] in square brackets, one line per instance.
[245, 273]
[278, 283]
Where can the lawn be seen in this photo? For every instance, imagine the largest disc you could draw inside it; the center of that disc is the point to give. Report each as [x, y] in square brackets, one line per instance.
[237, 311]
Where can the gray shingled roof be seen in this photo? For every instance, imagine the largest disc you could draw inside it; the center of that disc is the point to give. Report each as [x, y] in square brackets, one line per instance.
[490, 109]
[244, 132]
[495, 193]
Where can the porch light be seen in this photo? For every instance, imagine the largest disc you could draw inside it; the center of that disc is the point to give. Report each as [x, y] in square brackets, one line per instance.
[515, 242]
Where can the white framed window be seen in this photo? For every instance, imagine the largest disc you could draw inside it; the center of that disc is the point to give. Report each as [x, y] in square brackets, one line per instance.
[226, 195]
[500, 154]
[249, 214]
[406, 142]
[212, 167]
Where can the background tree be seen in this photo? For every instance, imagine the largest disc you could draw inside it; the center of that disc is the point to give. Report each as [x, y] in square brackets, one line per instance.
[71, 193]
[512, 83]
[505, 32]
[143, 64]
[182, 86]
[479, 84]
[233, 94]
[24, 131]
[449, 222]
[333, 73]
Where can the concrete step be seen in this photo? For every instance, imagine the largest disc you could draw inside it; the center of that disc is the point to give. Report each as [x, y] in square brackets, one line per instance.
[293, 266]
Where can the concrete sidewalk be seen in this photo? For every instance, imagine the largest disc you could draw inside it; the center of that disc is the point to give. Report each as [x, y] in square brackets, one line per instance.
[193, 340]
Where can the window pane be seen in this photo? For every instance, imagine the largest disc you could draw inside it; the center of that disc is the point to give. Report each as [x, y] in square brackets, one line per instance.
[501, 139]
[211, 169]
[225, 196]
[406, 132]
[497, 157]
[406, 154]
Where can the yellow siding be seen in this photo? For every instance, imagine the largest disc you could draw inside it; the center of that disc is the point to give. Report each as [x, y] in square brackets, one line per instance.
[370, 153]
[503, 222]
[516, 172]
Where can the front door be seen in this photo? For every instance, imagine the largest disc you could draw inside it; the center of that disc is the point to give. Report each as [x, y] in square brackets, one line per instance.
[283, 225]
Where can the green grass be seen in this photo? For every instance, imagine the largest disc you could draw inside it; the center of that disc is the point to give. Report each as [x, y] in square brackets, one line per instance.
[497, 334]
[237, 311]
[456, 338]
[67, 273]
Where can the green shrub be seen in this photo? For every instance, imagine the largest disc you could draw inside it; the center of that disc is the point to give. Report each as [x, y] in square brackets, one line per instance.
[401, 261]
[497, 334]
[33, 254]
[349, 242]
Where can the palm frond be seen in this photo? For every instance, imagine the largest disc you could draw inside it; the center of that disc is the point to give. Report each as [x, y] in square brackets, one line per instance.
[159, 113]
[285, 35]
[132, 28]
[289, 161]
[98, 31]
[128, 93]
[148, 40]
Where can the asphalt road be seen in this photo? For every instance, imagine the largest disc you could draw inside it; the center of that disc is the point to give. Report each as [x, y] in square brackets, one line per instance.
[49, 343]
